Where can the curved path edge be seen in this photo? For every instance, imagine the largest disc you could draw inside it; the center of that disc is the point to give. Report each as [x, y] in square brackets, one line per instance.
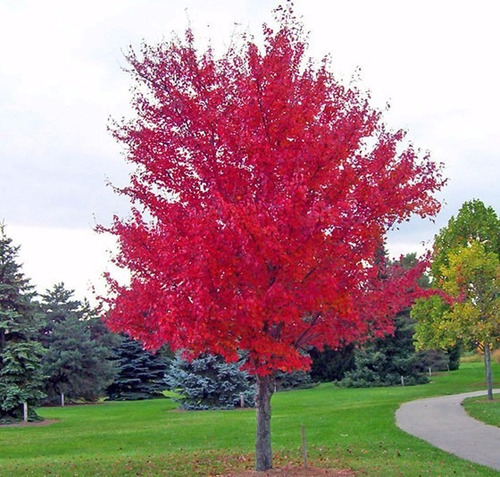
[443, 422]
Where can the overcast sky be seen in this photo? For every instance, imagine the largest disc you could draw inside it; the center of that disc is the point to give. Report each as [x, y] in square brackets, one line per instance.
[435, 61]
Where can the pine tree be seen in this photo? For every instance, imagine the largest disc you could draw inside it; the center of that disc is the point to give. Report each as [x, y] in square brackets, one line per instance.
[386, 361]
[21, 379]
[57, 305]
[77, 365]
[140, 373]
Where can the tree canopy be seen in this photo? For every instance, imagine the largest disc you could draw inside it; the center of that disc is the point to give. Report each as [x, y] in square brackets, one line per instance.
[474, 221]
[262, 190]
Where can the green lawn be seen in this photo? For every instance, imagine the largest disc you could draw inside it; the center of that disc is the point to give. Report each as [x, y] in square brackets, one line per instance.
[346, 428]
[484, 410]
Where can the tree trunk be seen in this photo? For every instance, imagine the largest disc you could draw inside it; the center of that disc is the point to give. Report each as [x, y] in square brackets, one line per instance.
[489, 375]
[263, 453]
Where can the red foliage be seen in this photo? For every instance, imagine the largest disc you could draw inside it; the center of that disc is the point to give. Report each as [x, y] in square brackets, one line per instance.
[262, 192]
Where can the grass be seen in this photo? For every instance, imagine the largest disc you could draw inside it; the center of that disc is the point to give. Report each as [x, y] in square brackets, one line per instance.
[346, 428]
[484, 410]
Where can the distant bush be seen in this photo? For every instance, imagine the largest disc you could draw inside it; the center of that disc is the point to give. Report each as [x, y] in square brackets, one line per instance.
[435, 360]
[293, 380]
[454, 354]
[371, 380]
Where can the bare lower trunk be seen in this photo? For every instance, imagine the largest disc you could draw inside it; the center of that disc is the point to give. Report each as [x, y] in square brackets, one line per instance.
[489, 375]
[263, 453]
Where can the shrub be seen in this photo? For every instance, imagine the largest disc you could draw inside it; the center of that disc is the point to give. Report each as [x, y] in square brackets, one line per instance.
[209, 383]
[436, 360]
[293, 380]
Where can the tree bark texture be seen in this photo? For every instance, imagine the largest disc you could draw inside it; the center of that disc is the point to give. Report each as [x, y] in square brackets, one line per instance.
[489, 375]
[263, 452]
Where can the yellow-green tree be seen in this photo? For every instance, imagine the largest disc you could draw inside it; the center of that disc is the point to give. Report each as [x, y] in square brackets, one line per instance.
[474, 221]
[471, 278]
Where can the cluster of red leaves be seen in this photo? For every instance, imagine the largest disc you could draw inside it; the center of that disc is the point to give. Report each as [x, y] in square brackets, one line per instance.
[262, 192]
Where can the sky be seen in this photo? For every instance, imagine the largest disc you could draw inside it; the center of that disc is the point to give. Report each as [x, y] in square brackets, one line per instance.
[435, 61]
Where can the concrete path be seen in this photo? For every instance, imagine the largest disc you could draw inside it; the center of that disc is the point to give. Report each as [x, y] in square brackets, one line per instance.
[443, 422]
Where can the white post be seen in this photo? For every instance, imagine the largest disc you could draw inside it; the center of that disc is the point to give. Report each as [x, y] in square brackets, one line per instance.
[25, 411]
[242, 400]
[62, 399]
[402, 380]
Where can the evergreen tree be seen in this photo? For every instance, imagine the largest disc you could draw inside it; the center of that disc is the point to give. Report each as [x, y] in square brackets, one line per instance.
[57, 305]
[331, 365]
[77, 366]
[384, 361]
[431, 360]
[210, 383]
[21, 378]
[293, 380]
[393, 360]
[140, 373]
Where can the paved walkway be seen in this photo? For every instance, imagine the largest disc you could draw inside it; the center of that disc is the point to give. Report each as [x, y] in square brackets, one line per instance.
[443, 422]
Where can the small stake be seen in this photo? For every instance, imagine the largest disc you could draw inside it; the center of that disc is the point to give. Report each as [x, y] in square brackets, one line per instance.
[304, 444]
[25, 411]
[402, 380]
[242, 400]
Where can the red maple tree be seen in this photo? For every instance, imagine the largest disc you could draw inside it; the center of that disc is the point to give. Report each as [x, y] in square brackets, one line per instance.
[262, 192]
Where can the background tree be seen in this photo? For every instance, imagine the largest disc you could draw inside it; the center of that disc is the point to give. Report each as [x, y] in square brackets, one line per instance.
[263, 188]
[331, 364]
[475, 223]
[472, 278]
[57, 304]
[430, 360]
[284, 381]
[140, 373]
[208, 382]
[77, 366]
[392, 359]
[386, 361]
[21, 379]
